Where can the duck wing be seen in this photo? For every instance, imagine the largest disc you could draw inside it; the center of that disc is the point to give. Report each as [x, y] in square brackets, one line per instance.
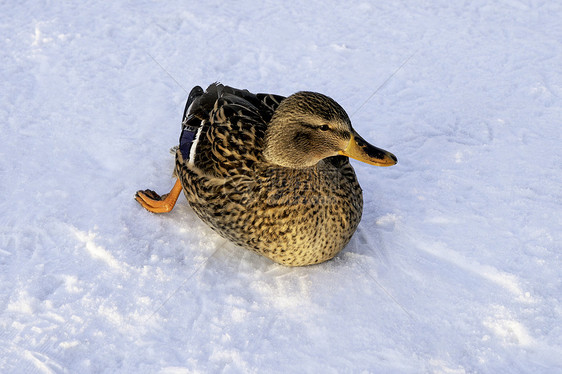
[223, 129]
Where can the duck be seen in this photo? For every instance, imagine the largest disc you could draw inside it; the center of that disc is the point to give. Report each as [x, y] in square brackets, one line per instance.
[270, 173]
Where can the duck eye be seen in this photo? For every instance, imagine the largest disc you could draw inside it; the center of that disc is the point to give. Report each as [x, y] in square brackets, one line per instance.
[324, 127]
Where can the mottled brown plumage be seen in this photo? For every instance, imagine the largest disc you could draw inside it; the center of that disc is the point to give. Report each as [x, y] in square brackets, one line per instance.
[270, 173]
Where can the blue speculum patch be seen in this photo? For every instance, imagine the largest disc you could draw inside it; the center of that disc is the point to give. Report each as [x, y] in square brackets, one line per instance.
[186, 140]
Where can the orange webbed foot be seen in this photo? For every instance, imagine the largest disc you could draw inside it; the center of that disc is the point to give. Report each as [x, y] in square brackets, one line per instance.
[155, 203]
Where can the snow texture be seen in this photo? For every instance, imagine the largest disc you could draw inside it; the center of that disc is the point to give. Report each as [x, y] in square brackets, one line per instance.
[455, 268]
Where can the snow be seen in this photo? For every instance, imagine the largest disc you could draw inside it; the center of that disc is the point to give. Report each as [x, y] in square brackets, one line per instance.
[455, 268]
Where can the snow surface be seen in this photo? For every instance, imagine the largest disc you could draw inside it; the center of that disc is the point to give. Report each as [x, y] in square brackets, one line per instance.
[456, 267]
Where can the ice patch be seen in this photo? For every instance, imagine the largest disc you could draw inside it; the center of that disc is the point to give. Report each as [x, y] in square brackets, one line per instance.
[177, 370]
[69, 344]
[23, 303]
[507, 281]
[507, 329]
[388, 221]
[95, 250]
[42, 362]
[72, 284]
[442, 367]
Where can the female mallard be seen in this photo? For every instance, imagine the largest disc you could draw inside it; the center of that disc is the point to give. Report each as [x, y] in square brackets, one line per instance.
[270, 173]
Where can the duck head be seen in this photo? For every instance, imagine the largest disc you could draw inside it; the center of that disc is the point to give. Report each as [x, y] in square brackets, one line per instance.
[308, 127]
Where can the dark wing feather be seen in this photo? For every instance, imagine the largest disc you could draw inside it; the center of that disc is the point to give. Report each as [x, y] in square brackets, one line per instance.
[270, 101]
[234, 123]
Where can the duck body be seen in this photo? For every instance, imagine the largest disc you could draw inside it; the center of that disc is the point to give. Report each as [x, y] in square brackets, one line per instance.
[271, 176]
